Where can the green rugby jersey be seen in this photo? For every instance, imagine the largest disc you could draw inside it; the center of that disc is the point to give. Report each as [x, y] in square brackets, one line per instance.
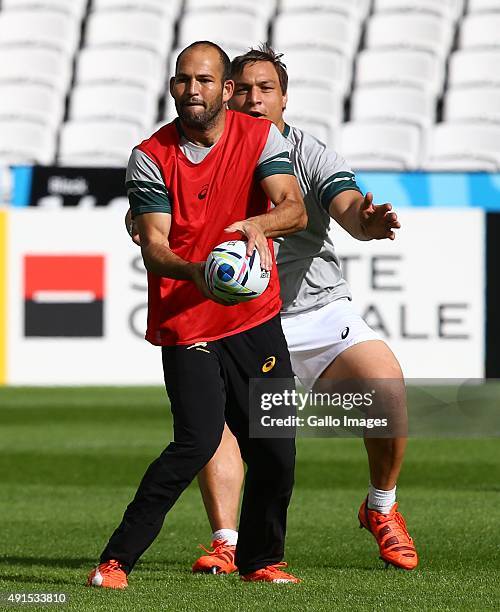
[309, 268]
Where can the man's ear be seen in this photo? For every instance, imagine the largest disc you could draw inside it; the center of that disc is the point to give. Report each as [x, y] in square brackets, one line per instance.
[228, 90]
[285, 101]
[171, 86]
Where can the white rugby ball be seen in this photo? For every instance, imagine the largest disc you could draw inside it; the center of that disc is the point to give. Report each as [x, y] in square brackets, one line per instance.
[234, 277]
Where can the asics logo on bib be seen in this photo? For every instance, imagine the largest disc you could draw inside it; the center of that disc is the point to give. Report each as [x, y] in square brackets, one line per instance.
[344, 333]
[203, 193]
[269, 364]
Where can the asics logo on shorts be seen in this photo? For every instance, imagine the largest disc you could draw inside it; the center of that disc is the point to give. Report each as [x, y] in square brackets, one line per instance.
[269, 364]
[199, 346]
[344, 333]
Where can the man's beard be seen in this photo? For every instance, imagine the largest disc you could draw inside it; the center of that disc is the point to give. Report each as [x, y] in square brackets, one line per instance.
[203, 120]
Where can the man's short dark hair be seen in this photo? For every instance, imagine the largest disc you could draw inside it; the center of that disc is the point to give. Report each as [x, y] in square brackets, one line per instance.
[224, 59]
[264, 53]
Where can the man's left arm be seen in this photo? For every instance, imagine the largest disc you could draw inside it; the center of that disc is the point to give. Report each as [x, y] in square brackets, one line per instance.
[288, 216]
[363, 219]
[276, 176]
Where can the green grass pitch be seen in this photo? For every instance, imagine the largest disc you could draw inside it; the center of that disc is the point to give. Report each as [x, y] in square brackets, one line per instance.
[70, 460]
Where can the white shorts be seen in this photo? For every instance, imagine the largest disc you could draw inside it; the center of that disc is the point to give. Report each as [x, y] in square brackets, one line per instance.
[315, 338]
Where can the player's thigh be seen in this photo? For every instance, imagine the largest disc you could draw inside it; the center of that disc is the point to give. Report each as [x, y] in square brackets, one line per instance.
[371, 367]
[371, 359]
[260, 357]
[196, 388]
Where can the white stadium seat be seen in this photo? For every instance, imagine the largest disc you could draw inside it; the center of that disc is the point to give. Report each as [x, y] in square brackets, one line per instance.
[445, 8]
[25, 142]
[75, 8]
[411, 68]
[319, 66]
[316, 110]
[265, 9]
[410, 31]
[316, 29]
[38, 66]
[115, 102]
[316, 103]
[394, 104]
[228, 29]
[380, 146]
[357, 9]
[50, 29]
[483, 6]
[480, 30]
[463, 146]
[129, 29]
[98, 143]
[473, 104]
[321, 130]
[474, 67]
[353, 10]
[137, 67]
[163, 8]
[28, 102]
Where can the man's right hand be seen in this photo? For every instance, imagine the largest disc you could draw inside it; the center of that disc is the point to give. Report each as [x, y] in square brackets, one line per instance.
[198, 278]
[132, 230]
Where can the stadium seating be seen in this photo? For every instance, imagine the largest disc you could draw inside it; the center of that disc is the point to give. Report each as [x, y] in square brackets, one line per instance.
[265, 9]
[394, 104]
[130, 28]
[49, 29]
[318, 103]
[97, 143]
[331, 31]
[25, 142]
[75, 8]
[380, 146]
[358, 9]
[473, 104]
[231, 29]
[353, 10]
[450, 9]
[137, 67]
[121, 72]
[163, 8]
[474, 67]
[38, 66]
[323, 131]
[483, 6]
[319, 66]
[29, 102]
[115, 102]
[416, 30]
[463, 146]
[481, 30]
[407, 67]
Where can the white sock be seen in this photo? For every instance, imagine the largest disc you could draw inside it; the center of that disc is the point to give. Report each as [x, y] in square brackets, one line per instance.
[230, 535]
[380, 500]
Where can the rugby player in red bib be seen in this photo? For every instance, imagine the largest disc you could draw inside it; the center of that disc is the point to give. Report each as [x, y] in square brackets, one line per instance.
[205, 178]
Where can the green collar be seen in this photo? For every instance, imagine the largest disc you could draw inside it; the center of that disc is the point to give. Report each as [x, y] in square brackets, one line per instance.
[286, 130]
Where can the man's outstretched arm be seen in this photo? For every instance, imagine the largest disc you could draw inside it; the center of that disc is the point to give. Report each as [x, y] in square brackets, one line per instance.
[363, 219]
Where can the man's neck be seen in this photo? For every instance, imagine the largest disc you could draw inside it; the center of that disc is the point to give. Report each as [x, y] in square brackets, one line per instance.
[281, 125]
[208, 137]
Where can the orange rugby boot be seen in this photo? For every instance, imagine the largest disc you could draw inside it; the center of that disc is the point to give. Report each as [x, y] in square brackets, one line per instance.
[271, 573]
[108, 575]
[389, 530]
[219, 560]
